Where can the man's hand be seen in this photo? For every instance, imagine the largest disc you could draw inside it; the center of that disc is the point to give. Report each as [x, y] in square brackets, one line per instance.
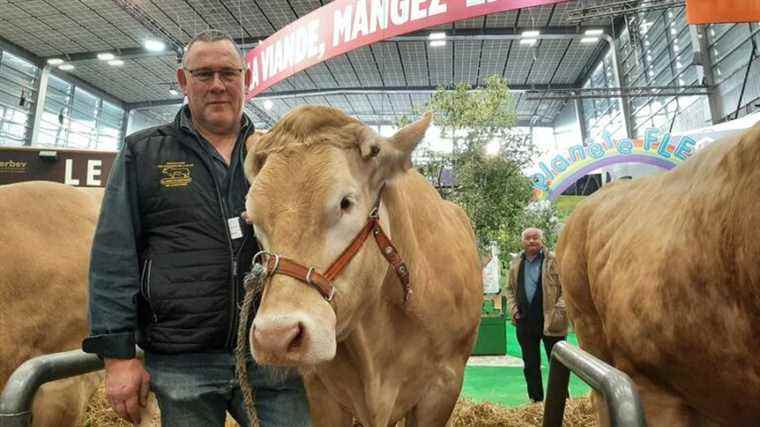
[516, 317]
[127, 386]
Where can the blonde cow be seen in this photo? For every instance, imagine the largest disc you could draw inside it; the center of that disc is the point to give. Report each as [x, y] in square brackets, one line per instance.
[316, 180]
[45, 241]
[661, 277]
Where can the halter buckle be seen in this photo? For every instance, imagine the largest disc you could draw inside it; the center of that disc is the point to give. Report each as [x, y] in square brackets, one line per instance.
[375, 213]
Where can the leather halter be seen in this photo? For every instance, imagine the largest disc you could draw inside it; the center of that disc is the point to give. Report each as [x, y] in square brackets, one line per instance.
[276, 264]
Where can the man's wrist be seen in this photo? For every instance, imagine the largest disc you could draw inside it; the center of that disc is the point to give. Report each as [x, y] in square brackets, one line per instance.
[113, 346]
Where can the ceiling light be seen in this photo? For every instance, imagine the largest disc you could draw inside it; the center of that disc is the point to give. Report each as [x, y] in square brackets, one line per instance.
[529, 42]
[116, 62]
[66, 67]
[173, 92]
[106, 56]
[589, 39]
[268, 104]
[154, 45]
[532, 33]
[437, 36]
[437, 43]
[55, 61]
[594, 32]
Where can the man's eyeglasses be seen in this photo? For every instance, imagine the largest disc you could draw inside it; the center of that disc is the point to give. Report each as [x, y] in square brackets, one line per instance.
[206, 75]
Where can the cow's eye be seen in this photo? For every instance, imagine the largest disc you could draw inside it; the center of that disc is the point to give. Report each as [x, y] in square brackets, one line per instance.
[345, 204]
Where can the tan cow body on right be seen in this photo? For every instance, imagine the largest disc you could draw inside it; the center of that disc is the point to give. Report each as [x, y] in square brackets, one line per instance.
[315, 178]
[661, 277]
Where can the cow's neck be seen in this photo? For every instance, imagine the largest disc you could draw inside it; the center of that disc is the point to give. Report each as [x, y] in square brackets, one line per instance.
[372, 365]
[382, 347]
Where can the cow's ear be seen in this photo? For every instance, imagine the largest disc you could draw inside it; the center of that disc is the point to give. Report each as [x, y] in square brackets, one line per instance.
[255, 157]
[396, 152]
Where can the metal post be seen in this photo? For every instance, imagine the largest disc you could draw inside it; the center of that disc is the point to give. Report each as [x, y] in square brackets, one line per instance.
[617, 388]
[554, 407]
[746, 74]
[18, 394]
[39, 104]
[701, 50]
[16, 399]
[124, 125]
[624, 102]
[580, 116]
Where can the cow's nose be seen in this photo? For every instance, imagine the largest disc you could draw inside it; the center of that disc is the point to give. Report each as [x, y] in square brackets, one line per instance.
[277, 337]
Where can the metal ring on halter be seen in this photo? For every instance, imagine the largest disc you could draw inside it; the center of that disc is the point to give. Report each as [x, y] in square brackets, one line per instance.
[260, 254]
[332, 294]
[276, 262]
[308, 276]
[375, 213]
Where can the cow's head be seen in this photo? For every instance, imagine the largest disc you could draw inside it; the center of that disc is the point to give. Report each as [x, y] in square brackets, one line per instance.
[314, 180]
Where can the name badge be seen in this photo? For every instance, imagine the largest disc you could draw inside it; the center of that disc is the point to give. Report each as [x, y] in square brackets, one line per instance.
[235, 231]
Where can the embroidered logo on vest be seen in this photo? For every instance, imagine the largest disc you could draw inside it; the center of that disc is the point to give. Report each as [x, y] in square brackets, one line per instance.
[176, 174]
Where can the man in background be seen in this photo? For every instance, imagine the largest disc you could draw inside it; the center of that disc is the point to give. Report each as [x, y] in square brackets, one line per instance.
[536, 306]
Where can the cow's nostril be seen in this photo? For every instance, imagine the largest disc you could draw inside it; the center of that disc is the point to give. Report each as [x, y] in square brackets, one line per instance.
[297, 340]
[276, 338]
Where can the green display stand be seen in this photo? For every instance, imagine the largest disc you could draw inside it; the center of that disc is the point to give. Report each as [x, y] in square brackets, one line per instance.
[492, 333]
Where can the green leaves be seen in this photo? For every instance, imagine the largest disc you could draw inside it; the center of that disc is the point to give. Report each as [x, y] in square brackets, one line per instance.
[490, 186]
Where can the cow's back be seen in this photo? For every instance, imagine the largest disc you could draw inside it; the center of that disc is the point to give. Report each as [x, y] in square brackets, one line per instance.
[44, 255]
[660, 279]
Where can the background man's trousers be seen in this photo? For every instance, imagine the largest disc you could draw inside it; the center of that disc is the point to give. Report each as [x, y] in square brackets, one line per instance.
[530, 336]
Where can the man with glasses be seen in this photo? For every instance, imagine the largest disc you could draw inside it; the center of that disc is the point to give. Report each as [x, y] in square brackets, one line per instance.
[169, 254]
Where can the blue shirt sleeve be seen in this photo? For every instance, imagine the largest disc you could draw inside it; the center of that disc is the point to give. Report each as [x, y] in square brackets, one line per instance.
[114, 266]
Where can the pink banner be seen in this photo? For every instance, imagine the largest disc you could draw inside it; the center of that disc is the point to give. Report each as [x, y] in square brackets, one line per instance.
[345, 25]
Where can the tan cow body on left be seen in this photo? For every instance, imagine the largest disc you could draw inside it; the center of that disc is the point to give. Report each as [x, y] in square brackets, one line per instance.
[315, 178]
[661, 277]
[45, 241]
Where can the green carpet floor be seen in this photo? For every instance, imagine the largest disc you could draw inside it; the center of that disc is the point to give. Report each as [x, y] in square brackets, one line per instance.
[506, 386]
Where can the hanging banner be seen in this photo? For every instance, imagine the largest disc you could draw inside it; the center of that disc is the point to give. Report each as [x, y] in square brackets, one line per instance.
[727, 11]
[345, 25]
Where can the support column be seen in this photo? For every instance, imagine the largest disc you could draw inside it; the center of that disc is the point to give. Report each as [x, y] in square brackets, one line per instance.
[40, 94]
[705, 70]
[125, 125]
[625, 102]
[581, 118]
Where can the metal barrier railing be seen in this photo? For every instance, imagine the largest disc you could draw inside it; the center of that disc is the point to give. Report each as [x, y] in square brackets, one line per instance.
[617, 388]
[18, 394]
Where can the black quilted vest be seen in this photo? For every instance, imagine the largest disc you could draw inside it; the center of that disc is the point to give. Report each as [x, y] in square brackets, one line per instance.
[191, 269]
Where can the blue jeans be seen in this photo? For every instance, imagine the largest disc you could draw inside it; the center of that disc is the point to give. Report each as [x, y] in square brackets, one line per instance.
[196, 390]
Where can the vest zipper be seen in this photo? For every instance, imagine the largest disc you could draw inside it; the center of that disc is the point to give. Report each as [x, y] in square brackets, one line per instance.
[232, 332]
[233, 266]
[146, 288]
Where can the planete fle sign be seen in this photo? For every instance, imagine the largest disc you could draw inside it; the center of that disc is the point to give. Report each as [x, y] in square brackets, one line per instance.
[345, 25]
[555, 173]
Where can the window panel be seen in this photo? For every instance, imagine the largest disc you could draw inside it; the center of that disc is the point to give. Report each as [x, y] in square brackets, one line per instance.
[17, 78]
